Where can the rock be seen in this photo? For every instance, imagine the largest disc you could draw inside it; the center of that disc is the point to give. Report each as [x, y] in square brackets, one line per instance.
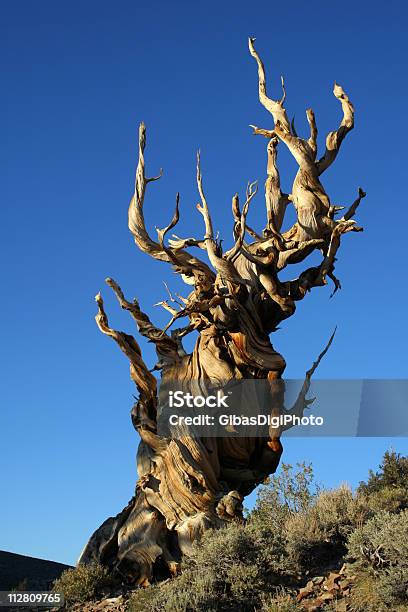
[322, 590]
[305, 592]
[330, 583]
[326, 596]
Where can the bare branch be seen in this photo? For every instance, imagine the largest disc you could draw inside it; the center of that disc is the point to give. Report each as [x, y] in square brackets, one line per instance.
[301, 402]
[313, 131]
[252, 190]
[274, 107]
[186, 263]
[166, 347]
[301, 149]
[334, 139]
[276, 201]
[292, 125]
[316, 364]
[351, 211]
[167, 307]
[261, 132]
[224, 268]
[172, 298]
[327, 265]
[299, 253]
[144, 380]
[262, 260]
[161, 233]
[136, 217]
[237, 218]
[181, 243]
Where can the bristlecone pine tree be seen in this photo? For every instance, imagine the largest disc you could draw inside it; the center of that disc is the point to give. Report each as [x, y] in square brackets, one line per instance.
[189, 484]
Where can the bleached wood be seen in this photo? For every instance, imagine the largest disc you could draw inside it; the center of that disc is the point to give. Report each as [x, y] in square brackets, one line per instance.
[191, 484]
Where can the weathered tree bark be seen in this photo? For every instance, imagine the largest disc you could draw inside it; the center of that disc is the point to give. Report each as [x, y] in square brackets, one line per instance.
[189, 484]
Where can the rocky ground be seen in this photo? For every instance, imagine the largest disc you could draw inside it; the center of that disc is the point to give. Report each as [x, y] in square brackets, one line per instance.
[113, 602]
[318, 592]
[321, 590]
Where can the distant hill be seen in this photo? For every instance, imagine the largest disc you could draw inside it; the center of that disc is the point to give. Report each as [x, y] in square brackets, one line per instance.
[27, 573]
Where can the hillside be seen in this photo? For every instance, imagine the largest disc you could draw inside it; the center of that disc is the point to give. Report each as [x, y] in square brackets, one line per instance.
[27, 573]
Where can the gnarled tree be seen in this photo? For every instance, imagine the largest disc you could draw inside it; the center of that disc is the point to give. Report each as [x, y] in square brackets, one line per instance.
[188, 484]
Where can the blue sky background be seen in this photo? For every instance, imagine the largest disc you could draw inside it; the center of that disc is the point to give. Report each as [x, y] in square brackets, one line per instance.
[77, 79]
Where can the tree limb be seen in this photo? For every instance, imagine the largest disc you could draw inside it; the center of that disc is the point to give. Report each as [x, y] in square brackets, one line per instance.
[275, 107]
[186, 263]
[334, 139]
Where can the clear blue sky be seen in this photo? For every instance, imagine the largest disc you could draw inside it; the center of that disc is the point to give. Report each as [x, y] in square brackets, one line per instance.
[77, 79]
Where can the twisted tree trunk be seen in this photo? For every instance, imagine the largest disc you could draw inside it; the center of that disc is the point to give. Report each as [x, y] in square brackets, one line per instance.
[189, 484]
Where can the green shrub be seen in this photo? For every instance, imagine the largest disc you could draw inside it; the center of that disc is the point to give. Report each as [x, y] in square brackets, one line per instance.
[393, 474]
[365, 596]
[385, 536]
[285, 497]
[391, 499]
[305, 542]
[193, 590]
[380, 549]
[299, 527]
[394, 585]
[317, 537]
[280, 602]
[144, 599]
[225, 566]
[82, 583]
[338, 511]
[289, 491]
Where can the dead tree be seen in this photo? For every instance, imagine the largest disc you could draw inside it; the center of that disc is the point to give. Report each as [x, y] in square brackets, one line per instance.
[187, 485]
